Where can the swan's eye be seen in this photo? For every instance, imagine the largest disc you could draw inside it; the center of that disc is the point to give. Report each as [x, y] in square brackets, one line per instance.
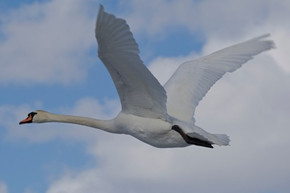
[32, 114]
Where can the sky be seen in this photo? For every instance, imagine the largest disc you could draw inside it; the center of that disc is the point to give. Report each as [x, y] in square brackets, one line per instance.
[48, 61]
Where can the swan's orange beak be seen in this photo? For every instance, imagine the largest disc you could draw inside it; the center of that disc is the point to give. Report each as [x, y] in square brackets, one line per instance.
[27, 120]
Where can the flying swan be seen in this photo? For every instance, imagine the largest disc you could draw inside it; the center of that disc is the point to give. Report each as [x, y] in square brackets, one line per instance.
[161, 116]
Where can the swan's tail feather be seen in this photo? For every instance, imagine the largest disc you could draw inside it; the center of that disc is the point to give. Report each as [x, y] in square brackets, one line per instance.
[202, 135]
[220, 139]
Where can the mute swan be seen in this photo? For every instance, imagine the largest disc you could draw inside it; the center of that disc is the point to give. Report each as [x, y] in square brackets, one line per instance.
[159, 116]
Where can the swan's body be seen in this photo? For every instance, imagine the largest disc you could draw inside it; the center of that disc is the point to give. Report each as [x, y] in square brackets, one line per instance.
[159, 116]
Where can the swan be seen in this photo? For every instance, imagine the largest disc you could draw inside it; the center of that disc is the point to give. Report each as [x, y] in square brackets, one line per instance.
[161, 116]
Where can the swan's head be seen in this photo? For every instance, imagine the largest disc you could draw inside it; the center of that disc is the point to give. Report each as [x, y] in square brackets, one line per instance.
[35, 117]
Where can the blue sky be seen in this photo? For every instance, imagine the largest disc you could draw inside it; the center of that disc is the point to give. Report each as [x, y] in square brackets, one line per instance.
[48, 60]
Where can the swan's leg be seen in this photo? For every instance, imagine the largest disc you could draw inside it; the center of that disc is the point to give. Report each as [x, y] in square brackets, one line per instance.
[191, 140]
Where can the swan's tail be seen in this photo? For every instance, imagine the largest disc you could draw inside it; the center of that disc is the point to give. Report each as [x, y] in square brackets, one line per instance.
[220, 139]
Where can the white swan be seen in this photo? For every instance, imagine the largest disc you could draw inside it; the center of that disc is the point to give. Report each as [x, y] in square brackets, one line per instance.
[159, 116]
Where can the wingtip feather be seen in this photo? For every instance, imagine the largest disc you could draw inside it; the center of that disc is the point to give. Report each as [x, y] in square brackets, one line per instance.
[269, 43]
[101, 7]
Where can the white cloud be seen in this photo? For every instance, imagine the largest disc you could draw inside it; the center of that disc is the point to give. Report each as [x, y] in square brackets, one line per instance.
[3, 188]
[163, 68]
[281, 55]
[47, 42]
[88, 181]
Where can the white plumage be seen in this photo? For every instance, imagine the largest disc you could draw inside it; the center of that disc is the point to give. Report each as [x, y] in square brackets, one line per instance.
[157, 115]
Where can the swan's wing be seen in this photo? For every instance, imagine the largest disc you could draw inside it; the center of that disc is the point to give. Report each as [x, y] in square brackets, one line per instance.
[139, 91]
[192, 80]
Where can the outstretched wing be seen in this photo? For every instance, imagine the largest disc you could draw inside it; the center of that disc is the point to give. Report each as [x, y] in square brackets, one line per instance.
[139, 91]
[192, 80]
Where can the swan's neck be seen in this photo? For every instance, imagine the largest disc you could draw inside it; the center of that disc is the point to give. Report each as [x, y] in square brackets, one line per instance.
[105, 125]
